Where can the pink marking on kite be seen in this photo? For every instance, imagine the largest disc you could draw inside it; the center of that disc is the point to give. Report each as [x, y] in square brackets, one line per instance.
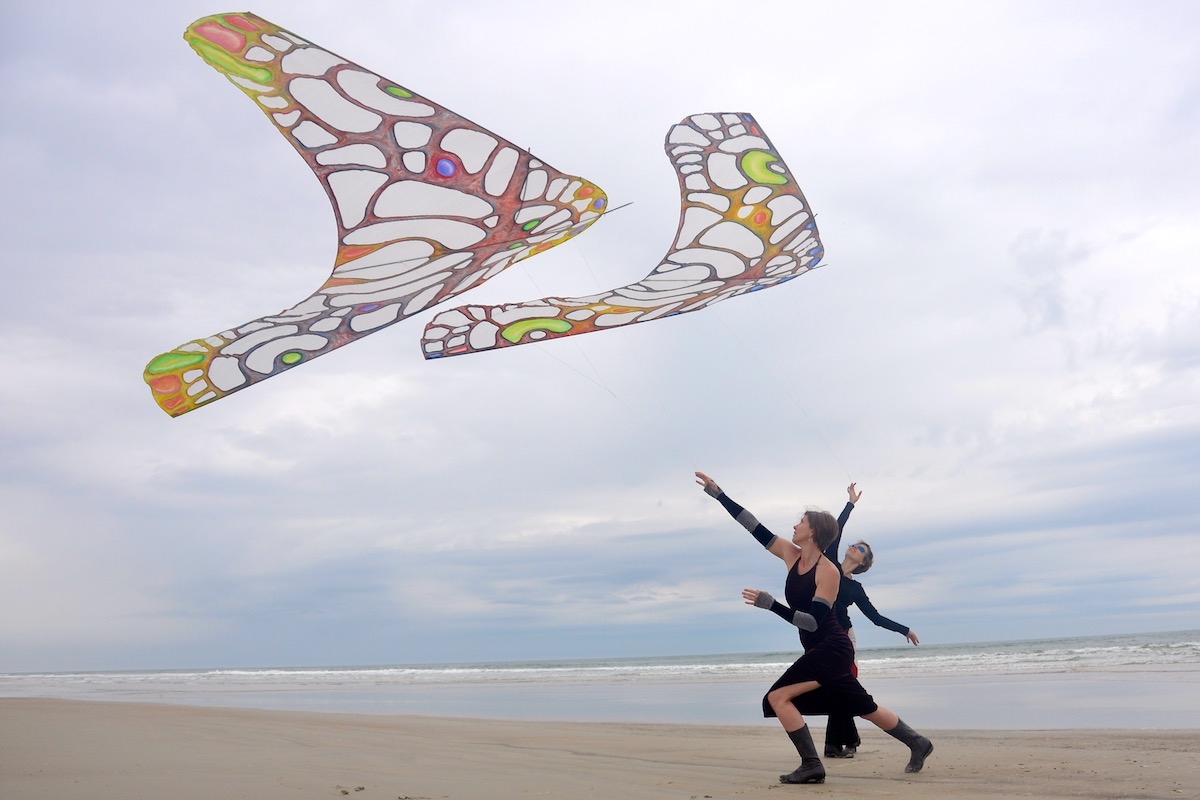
[222, 37]
[241, 22]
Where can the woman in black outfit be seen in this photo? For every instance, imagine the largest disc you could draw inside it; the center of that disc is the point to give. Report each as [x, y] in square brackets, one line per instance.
[821, 680]
[841, 735]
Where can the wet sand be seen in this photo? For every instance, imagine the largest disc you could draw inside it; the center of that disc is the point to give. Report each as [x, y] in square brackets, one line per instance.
[64, 749]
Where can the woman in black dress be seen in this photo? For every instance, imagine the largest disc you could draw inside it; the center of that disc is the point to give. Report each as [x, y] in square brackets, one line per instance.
[841, 735]
[821, 680]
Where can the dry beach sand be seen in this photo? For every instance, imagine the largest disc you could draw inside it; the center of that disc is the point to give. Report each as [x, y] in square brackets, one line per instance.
[108, 751]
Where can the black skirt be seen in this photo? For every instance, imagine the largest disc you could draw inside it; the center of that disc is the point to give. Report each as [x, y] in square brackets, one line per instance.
[830, 663]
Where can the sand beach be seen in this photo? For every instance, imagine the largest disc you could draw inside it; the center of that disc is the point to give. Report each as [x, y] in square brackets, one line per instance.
[63, 749]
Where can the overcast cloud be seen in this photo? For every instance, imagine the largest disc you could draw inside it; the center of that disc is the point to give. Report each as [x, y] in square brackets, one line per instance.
[1002, 349]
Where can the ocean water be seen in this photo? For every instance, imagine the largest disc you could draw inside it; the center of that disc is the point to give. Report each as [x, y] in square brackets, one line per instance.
[1121, 681]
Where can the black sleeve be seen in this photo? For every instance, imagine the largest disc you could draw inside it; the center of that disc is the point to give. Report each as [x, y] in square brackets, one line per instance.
[783, 612]
[804, 620]
[729, 505]
[831, 552]
[757, 529]
[844, 516]
[862, 601]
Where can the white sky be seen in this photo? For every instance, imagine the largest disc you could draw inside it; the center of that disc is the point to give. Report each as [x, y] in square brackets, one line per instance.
[1002, 349]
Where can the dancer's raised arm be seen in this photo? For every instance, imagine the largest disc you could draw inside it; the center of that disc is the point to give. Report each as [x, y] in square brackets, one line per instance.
[779, 548]
[831, 552]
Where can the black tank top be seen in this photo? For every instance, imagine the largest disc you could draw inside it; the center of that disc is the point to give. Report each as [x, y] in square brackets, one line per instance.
[799, 590]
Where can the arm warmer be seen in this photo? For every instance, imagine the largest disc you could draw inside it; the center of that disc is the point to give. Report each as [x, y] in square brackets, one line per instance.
[746, 520]
[803, 621]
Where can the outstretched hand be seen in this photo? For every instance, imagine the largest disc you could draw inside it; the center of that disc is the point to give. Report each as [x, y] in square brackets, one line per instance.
[756, 597]
[709, 485]
[912, 637]
[854, 493]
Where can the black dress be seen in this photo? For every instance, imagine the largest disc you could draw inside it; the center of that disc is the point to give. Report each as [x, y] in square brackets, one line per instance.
[841, 731]
[828, 659]
[828, 652]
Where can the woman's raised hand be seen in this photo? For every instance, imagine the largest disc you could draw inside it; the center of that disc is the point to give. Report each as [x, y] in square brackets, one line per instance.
[853, 492]
[708, 484]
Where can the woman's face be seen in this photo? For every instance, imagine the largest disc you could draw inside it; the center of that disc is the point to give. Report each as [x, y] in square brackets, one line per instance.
[801, 532]
[855, 553]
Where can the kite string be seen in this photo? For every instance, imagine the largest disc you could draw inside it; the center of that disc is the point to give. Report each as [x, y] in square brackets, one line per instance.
[599, 379]
[789, 389]
[785, 384]
[679, 440]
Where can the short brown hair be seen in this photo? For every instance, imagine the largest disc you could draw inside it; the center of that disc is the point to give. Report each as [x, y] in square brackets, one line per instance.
[824, 527]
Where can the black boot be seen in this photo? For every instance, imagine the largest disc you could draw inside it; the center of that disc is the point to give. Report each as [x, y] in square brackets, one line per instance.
[841, 737]
[811, 770]
[852, 740]
[918, 744]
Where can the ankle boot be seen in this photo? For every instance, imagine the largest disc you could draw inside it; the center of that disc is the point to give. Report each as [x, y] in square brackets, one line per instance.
[918, 744]
[811, 770]
[841, 737]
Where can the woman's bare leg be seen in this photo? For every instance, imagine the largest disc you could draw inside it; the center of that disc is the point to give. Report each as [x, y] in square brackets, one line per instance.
[882, 718]
[781, 699]
[811, 770]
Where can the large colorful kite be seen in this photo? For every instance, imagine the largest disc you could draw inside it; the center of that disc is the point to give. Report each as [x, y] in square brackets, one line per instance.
[427, 205]
[744, 226]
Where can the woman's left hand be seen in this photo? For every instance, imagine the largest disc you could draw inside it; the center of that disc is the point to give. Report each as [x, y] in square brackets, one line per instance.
[912, 636]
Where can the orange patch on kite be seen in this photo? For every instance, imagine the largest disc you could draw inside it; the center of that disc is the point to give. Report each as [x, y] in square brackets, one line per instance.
[167, 384]
[346, 254]
[341, 282]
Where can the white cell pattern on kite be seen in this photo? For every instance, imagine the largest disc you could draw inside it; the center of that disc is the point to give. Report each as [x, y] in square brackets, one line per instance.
[744, 226]
[427, 205]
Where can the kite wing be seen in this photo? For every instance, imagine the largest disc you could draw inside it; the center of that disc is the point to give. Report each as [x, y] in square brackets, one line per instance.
[427, 205]
[744, 226]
